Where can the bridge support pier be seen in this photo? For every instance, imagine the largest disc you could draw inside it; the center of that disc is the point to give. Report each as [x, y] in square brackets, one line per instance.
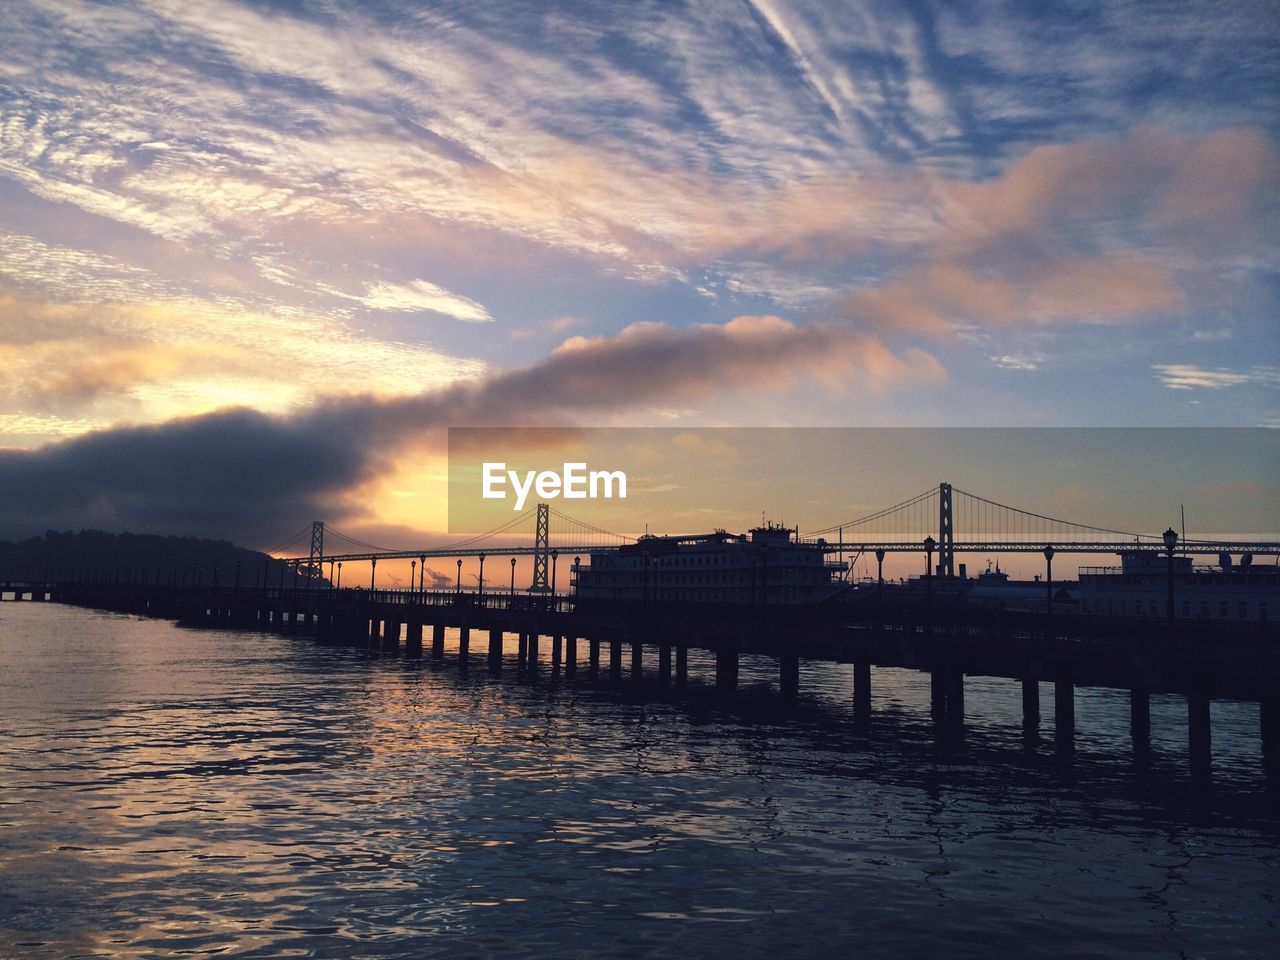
[862, 693]
[570, 655]
[615, 659]
[682, 665]
[533, 650]
[727, 667]
[1199, 738]
[464, 645]
[593, 655]
[955, 704]
[789, 676]
[1140, 724]
[437, 640]
[413, 638]
[1030, 711]
[938, 698]
[1064, 718]
[637, 659]
[495, 649]
[557, 643]
[522, 651]
[391, 635]
[664, 664]
[375, 631]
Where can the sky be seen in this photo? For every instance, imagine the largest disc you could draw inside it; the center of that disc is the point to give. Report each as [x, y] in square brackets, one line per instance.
[255, 257]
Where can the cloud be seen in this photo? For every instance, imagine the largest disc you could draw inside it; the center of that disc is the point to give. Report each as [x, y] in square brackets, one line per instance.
[939, 299]
[1188, 376]
[420, 295]
[254, 476]
[1017, 362]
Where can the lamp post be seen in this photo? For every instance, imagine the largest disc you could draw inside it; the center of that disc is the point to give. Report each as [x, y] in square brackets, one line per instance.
[1170, 541]
[929, 544]
[413, 573]
[482, 576]
[555, 554]
[513, 581]
[338, 585]
[880, 571]
[458, 587]
[422, 577]
[577, 573]
[1048, 574]
[373, 573]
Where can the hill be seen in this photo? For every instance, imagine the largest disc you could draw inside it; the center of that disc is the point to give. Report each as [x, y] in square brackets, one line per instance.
[95, 554]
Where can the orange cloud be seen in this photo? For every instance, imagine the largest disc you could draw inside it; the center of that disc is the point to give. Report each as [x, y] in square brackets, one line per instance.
[940, 298]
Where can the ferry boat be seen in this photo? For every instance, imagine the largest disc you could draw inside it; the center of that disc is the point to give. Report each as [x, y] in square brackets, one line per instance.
[1139, 587]
[767, 565]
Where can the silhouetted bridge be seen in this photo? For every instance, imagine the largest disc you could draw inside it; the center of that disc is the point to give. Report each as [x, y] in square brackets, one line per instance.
[939, 524]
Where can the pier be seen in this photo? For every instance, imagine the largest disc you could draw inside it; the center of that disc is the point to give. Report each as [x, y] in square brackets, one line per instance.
[1196, 660]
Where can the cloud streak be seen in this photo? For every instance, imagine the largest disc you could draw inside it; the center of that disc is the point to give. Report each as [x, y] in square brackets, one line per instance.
[420, 295]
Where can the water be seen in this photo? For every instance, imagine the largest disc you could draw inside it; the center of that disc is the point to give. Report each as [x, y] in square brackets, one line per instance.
[166, 791]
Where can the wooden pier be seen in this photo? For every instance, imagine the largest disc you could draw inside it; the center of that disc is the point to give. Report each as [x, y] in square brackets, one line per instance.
[1196, 660]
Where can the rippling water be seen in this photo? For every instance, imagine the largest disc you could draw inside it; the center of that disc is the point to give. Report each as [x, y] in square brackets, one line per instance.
[170, 791]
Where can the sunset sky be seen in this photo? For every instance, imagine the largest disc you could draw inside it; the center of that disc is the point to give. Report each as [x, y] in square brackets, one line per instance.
[254, 257]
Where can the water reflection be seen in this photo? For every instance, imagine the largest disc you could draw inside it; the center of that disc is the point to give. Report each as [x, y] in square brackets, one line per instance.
[171, 790]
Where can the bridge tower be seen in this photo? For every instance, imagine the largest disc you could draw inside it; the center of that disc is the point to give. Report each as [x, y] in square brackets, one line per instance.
[946, 533]
[541, 548]
[317, 547]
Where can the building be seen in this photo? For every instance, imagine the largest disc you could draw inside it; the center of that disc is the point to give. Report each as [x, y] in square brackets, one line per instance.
[1139, 587]
[769, 565]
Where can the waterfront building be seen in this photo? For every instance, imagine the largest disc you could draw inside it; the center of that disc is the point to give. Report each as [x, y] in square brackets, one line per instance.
[1139, 587]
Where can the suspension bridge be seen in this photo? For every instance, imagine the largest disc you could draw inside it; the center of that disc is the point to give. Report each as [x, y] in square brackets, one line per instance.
[944, 520]
[1198, 658]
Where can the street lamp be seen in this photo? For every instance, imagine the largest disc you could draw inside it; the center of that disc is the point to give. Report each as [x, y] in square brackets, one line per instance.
[513, 579]
[880, 570]
[422, 577]
[338, 585]
[1170, 541]
[373, 573]
[482, 576]
[555, 554]
[413, 572]
[576, 574]
[1048, 572]
[458, 588]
